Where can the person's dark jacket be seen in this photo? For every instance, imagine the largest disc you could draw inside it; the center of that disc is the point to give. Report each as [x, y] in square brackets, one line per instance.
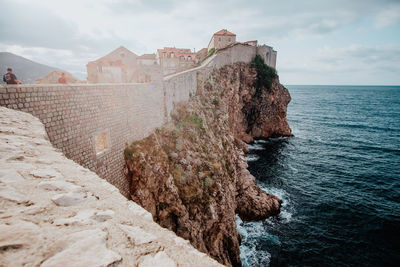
[10, 78]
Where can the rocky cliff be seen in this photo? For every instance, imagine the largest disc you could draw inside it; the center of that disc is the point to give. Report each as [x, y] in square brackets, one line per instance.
[192, 175]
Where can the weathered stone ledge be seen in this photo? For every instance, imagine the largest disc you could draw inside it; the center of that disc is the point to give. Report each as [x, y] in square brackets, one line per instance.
[54, 212]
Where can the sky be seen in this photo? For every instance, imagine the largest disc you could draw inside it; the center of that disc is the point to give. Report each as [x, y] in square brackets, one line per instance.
[343, 42]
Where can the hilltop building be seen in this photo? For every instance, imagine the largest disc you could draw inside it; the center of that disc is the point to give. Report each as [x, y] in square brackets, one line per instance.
[173, 59]
[252, 43]
[221, 39]
[123, 66]
[225, 38]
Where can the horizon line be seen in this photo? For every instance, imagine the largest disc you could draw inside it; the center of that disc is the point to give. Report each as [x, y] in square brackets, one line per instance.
[393, 85]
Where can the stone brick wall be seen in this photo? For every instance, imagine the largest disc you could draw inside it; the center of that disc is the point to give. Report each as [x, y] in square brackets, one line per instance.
[236, 53]
[179, 88]
[75, 114]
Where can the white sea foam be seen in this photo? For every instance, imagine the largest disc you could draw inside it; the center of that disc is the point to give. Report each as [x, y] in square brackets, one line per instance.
[252, 157]
[249, 254]
[255, 146]
[254, 233]
[286, 213]
[293, 169]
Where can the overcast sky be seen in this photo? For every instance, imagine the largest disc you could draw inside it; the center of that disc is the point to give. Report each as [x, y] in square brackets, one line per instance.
[318, 42]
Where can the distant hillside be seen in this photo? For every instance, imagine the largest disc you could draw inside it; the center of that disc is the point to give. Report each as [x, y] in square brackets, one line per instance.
[26, 70]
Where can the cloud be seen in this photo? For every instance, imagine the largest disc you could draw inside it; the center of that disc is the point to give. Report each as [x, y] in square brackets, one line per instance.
[389, 16]
[364, 57]
[353, 64]
[68, 34]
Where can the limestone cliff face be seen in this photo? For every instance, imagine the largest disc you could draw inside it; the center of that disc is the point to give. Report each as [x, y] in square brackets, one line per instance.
[192, 175]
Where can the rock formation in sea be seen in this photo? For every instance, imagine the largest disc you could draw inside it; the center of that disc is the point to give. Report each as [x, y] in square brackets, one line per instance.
[191, 174]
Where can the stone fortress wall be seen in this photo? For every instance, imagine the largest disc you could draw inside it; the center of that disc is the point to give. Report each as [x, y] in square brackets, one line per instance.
[78, 116]
[91, 123]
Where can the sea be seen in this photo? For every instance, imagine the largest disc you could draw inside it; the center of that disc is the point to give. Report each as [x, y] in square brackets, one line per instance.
[338, 177]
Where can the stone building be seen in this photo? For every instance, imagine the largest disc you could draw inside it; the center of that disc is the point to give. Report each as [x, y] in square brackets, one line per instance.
[173, 59]
[147, 59]
[225, 38]
[221, 39]
[123, 66]
[52, 78]
[252, 43]
[268, 54]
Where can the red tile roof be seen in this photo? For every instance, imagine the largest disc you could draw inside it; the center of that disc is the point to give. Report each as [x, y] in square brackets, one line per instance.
[177, 52]
[224, 32]
[147, 56]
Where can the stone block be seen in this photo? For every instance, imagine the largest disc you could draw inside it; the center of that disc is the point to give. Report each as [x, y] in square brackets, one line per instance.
[84, 248]
[136, 234]
[159, 259]
[72, 198]
[10, 194]
[18, 234]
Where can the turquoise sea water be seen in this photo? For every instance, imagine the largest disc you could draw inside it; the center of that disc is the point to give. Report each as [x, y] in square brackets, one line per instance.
[339, 178]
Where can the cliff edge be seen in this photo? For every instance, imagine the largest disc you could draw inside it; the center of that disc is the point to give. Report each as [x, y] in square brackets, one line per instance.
[54, 212]
[191, 174]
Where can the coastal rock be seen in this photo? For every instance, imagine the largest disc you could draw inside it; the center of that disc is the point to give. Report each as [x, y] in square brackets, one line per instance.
[266, 115]
[191, 174]
[252, 203]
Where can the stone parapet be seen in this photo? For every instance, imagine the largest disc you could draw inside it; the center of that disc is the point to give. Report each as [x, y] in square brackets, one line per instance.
[54, 212]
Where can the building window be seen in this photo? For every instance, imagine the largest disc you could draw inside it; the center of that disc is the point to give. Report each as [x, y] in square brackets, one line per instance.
[219, 39]
[172, 55]
[229, 39]
[164, 54]
[101, 142]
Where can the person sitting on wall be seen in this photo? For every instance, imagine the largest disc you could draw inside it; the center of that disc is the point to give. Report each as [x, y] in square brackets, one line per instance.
[10, 77]
[62, 79]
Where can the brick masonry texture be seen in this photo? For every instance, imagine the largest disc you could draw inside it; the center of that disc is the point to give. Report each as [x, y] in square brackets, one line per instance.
[74, 114]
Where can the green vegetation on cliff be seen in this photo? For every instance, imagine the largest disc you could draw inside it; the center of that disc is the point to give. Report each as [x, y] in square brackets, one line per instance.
[211, 52]
[265, 74]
